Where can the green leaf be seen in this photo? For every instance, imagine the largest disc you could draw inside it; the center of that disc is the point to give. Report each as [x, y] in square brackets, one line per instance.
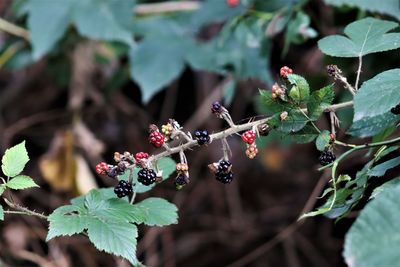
[167, 165]
[389, 7]
[158, 211]
[319, 101]
[1, 213]
[21, 182]
[386, 186]
[108, 20]
[14, 160]
[155, 63]
[114, 237]
[40, 13]
[295, 121]
[271, 105]
[365, 36]
[2, 189]
[300, 91]
[380, 169]
[373, 238]
[370, 126]
[322, 140]
[377, 95]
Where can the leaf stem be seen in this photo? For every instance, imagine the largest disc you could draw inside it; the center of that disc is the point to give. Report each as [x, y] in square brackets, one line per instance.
[358, 72]
[23, 210]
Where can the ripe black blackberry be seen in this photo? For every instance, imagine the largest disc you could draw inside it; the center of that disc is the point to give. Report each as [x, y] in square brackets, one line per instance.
[113, 172]
[396, 110]
[147, 176]
[326, 157]
[224, 177]
[202, 137]
[181, 180]
[123, 188]
[216, 107]
[224, 166]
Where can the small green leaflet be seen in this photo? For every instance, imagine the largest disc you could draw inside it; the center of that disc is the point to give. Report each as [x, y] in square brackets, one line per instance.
[322, 140]
[157, 211]
[365, 36]
[300, 91]
[14, 160]
[374, 237]
[21, 182]
[1, 213]
[2, 189]
[319, 101]
[380, 169]
[390, 7]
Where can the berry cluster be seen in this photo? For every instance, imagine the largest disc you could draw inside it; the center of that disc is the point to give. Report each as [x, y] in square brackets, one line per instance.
[326, 157]
[147, 176]
[216, 108]
[141, 155]
[284, 71]
[156, 139]
[102, 168]
[202, 137]
[249, 137]
[251, 151]
[277, 91]
[123, 188]
[182, 178]
[396, 110]
[223, 172]
[167, 129]
[263, 129]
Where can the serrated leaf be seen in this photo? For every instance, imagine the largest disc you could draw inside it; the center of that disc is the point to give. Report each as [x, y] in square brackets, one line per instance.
[272, 105]
[114, 237]
[390, 7]
[21, 182]
[157, 211]
[300, 91]
[380, 169]
[1, 213]
[66, 221]
[365, 36]
[295, 121]
[167, 165]
[14, 160]
[386, 186]
[377, 95]
[370, 126]
[322, 140]
[2, 189]
[319, 101]
[373, 238]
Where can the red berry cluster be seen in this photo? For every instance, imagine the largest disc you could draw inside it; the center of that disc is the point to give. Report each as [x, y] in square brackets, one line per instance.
[285, 70]
[232, 3]
[156, 139]
[141, 155]
[249, 137]
[102, 168]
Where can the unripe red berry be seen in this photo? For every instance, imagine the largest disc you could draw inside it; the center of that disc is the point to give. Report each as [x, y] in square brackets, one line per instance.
[102, 168]
[251, 151]
[285, 70]
[249, 137]
[141, 155]
[156, 139]
[232, 3]
[332, 137]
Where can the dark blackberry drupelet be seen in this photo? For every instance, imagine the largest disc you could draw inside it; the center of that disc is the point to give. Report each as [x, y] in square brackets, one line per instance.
[326, 157]
[224, 166]
[123, 188]
[224, 177]
[202, 137]
[396, 110]
[147, 176]
[180, 181]
[216, 107]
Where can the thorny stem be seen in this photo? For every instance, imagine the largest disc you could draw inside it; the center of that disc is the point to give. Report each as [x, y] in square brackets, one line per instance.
[230, 131]
[23, 210]
[13, 29]
[358, 72]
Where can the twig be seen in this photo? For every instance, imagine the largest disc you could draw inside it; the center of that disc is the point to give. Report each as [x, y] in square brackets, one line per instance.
[228, 132]
[13, 29]
[173, 6]
[24, 210]
[358, 72]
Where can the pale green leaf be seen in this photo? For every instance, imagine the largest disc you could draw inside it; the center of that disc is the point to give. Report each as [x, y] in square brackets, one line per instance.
[300, 92]
[319, 101]
[377, 95]
[1, 213]
[117, 238]
[322, 140]
[21, 182]
[370, 126]
[374, 237]
[389, 7]
[157, 211]
[365, 36]
[14, 160]
[380, 169]
[2, 189]
[386, 186]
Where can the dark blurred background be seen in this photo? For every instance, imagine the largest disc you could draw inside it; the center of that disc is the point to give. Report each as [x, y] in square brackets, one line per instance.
[77, 105]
